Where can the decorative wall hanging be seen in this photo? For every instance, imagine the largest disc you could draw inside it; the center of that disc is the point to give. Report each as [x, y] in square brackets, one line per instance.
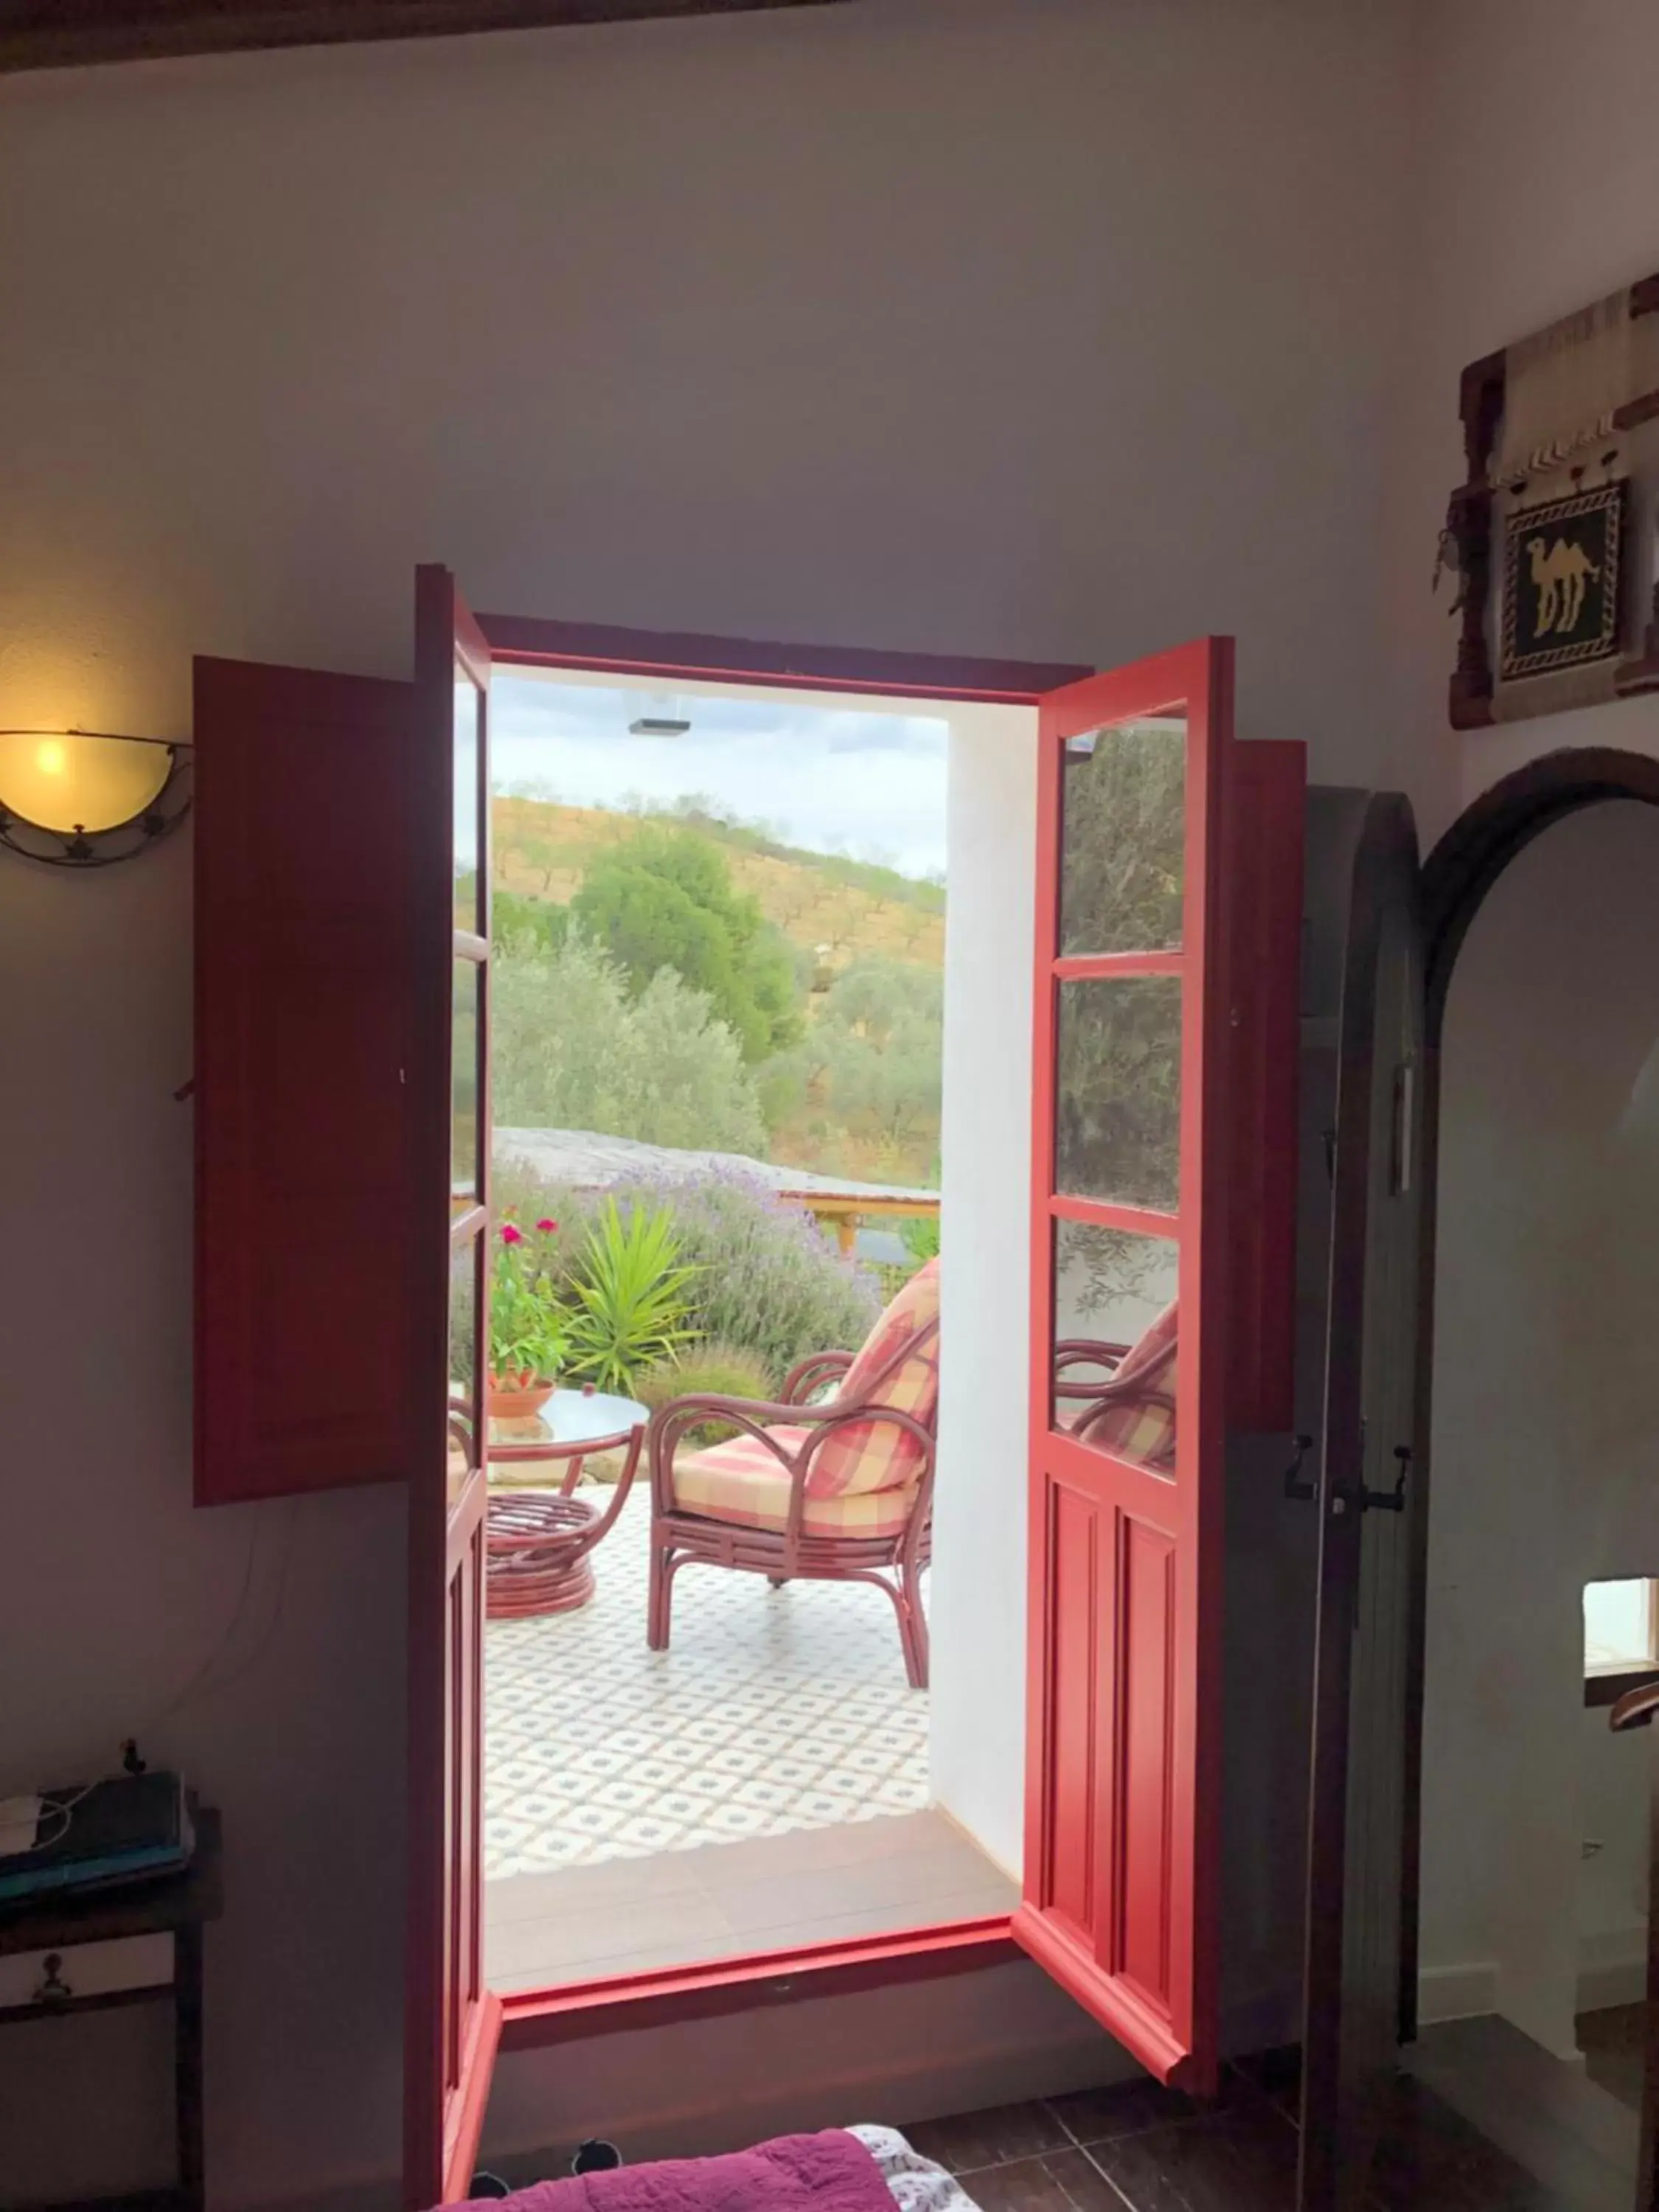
[80, 799]
[1553, 534]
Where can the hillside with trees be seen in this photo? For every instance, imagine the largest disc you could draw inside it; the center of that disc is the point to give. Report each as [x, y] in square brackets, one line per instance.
[688, 980]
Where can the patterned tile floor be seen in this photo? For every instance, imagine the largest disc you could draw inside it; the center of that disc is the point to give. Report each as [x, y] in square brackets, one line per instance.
[771, 1711]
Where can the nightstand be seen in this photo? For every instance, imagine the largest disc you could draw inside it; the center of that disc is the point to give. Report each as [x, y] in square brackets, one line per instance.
[130, 1925]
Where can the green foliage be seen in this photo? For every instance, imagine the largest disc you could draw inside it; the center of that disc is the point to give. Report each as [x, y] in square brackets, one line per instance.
[630, 1296]
[526, 1326]
[573, 1048]
[666, 899]
[768, 1282]
[876, 1050]
[520, 920]
[707, 1370]
[870, 876]
[919, 1234]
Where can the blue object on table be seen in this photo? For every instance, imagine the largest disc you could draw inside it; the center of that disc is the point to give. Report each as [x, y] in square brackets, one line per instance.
[91, 1835]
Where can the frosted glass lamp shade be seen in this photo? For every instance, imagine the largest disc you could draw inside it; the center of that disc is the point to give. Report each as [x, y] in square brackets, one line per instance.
[69, 782]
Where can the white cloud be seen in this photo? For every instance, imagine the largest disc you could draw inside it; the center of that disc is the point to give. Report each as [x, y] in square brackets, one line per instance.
[871, 785]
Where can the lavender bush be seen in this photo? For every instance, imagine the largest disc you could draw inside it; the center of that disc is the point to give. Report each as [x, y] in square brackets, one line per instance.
[769, 1281]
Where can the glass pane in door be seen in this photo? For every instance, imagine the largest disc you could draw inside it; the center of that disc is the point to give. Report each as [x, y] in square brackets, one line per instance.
[1117, 1090]
[465, 1385]
[1123, 835]
[464, 1162]
[1114, 1306]
[468, 841]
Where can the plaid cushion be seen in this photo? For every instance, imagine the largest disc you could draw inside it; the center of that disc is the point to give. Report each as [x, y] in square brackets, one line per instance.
[1135, 1428]
[1131, 1427]
[741, 1481]
[868, 1455]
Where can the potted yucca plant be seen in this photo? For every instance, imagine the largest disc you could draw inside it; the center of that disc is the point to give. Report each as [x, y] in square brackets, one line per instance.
[528, 1339]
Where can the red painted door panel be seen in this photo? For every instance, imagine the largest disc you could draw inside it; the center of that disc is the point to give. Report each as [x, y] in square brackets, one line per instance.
[453, 2024]
[1141, 1136]
[303, 1042]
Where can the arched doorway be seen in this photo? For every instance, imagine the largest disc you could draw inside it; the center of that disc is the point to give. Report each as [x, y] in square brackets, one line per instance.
[1459, 874]
[1365, 1890]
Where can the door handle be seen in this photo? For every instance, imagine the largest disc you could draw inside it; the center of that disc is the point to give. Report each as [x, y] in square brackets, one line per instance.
[1390, 1501]
[1294, 1484]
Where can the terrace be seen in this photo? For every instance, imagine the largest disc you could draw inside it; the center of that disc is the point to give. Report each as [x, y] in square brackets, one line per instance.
[763, 1781]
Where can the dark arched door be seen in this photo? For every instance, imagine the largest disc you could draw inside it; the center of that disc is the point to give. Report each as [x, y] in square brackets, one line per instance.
[1366, 1498]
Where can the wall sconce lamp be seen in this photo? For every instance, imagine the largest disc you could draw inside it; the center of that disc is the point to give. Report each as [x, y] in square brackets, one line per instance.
[80, 799]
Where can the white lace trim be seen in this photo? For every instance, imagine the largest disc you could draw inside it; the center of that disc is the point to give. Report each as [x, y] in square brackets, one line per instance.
[916, 2183]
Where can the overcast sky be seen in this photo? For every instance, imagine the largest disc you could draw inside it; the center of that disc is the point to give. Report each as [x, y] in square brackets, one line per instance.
[872, 785]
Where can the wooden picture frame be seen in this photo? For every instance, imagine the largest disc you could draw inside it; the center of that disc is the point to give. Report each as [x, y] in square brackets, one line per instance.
[1471, 528]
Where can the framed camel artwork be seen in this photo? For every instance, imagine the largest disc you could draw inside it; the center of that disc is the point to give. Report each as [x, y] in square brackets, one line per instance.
[1553, 534]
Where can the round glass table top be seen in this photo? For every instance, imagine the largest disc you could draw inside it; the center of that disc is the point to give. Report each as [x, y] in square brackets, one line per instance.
[571, 1419]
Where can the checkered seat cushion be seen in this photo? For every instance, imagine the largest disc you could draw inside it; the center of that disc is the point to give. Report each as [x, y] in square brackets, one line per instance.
[745, 1482]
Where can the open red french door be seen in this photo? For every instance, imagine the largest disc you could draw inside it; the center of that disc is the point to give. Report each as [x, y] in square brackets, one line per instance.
[452, 2023]
[1130, 1255]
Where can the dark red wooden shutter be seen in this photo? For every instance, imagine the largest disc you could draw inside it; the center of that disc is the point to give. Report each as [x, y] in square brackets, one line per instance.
[303, 1004]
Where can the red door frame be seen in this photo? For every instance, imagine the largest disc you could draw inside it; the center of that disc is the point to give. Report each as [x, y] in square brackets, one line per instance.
[787, 1976]
[452, 2020]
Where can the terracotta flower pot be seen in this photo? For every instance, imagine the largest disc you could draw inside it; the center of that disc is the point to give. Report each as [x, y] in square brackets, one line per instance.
[517, 1397]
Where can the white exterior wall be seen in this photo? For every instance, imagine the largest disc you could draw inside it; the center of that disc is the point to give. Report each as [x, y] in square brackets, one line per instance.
[977, 1718]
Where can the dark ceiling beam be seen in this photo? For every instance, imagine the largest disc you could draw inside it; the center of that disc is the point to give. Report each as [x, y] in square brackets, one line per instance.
[62, 34]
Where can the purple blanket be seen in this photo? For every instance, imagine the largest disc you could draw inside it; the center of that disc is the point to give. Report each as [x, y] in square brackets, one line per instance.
[828, 2173]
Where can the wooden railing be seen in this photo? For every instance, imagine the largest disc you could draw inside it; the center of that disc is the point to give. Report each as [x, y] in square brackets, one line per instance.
[848, 1213]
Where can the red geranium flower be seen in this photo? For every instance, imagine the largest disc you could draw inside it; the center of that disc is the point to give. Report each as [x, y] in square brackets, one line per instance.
[510, 1234]
[547, 1227]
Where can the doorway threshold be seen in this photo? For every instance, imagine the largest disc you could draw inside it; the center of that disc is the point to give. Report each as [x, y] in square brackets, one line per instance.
[720, 1902]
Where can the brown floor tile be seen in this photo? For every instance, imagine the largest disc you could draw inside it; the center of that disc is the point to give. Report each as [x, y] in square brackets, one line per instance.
[1275, 2074]
[1613, 2044]
[1242, 2160]
[1123, 2108]
[1065, 2181]
[973, 2140]
[1429, 2159]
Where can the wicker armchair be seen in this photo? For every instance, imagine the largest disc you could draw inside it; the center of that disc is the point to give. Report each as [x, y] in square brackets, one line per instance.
[835, 1488]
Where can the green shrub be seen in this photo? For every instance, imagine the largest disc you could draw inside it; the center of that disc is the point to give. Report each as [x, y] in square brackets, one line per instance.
[573, 1046]
[919, 1234]
[770, 1283]
[628, 1296]
[724, 1370]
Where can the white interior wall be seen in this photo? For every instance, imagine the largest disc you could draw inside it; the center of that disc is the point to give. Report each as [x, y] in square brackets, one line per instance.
[1547, 1399]
[1500, 244]
[970, 326]
[1615, 1788]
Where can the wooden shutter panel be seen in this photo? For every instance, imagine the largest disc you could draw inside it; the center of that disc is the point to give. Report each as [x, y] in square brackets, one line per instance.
[303, 999]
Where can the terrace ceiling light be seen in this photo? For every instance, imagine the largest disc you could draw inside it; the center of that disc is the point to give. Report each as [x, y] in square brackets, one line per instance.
[81, 799]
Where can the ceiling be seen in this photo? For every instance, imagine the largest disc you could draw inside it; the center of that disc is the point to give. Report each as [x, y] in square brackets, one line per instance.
[51, 34]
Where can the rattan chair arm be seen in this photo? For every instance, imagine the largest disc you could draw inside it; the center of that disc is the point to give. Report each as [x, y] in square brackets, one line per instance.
[807, 1374]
